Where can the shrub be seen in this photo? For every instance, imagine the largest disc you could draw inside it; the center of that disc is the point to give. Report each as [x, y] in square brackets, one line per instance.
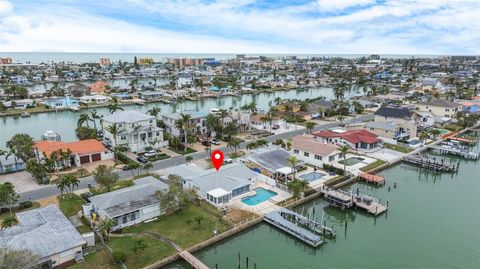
[124, 159]
[333, 169]
[119, 256]
[26, 204]
[85, 221]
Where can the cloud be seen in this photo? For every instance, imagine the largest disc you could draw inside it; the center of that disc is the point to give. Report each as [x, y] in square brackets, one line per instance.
[5, 7]
[248, 26]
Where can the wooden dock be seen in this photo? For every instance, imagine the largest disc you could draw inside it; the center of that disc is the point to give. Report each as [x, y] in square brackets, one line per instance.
[462, 152]
[375, 179]
[192, 260]
[369, 204]
[337, 197]
[430, 164]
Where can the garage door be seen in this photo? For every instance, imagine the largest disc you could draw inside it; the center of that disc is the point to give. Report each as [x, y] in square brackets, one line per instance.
[96, 157]
[84, 159]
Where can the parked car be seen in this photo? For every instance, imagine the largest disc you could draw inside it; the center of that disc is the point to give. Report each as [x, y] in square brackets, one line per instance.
[126, 168]
[275, 126]
[206, 143]
[150, 153]
[142, 159]
[215, 142]
[227, 160]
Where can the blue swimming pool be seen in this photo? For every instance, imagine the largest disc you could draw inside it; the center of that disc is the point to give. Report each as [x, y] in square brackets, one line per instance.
[261, 195]
[312, 176]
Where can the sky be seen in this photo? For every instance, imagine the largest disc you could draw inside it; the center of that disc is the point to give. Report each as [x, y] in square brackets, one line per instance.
[427, 27]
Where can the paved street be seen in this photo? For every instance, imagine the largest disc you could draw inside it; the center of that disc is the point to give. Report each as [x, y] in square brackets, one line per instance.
[52, 190]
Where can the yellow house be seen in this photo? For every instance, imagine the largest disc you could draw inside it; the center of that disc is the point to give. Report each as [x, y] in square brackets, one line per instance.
[442, 108]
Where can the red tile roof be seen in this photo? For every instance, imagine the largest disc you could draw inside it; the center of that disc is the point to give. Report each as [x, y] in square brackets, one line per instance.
[81, 147]
[352, 136]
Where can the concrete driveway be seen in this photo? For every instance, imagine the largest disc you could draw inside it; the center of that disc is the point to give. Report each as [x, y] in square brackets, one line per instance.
[22, 181]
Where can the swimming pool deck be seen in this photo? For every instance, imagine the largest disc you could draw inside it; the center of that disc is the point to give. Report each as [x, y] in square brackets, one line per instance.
[264, 207]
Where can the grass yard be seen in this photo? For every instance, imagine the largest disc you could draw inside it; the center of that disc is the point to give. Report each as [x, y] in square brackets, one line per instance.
[398, 148]
[118, 185]
[371, 166]
[70, 204]
[155, 250]
[181, 151]
[99, 259]
[180, 224]
[16, 210]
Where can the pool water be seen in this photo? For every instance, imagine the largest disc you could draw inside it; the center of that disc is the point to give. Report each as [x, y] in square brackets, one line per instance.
[352, 161]
[261, 195]
[312, 176]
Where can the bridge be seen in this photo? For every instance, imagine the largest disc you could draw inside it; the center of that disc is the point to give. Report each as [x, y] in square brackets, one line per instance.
[192, 260]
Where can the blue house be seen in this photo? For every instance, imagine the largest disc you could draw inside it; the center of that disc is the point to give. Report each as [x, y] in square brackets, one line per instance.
[11, 164]
[63, 102]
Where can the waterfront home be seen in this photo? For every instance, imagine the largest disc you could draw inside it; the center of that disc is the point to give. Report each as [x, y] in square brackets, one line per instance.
[217, 187]
[424, 120]
[150, 95]
[122, 96]
[128, 206]
[99, 87]
[20, 104]
[271, 162]
[11, 164]
[394, 123]
[314, 152]
[81, 152]
[355, 139]
[317, 108]
[136, 130]
[63, 102]
[98, 99]
[441, 108]
[48, 234]
[197, 123]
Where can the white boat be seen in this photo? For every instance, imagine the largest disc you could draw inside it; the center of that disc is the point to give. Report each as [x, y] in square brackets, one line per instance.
[25, 115]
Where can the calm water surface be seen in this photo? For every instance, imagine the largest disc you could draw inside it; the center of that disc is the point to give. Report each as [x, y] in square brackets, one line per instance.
[433, 222]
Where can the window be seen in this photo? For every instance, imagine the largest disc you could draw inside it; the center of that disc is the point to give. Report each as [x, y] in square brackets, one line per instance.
[295, 151]
[123, 137]
[158, 133]
[331, 158]
[306, 154]
[318, 157]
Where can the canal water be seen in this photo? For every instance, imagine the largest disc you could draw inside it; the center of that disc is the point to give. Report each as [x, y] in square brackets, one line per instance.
[65, 122]
[433, 222]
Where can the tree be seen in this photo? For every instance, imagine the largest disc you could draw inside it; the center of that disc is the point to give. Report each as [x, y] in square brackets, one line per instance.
[38, 171]
[189, 159]
[435, 133]
[114, 130]
[184, 124]
[424, 136]
[147, 167]
[112, 108]
[17, 259]
[344, 150]
[293, 162]
[212, 122]
[3, 153]
[297, 186]
[84, 133]
[8, 195]
[18, 92]
[234, 143]
[68, 182]
[94, 116]
[154, 111]
[22, 146]
[139, 246]
[9, 221]
[310, 125]
[176, 197]
[84, 118]
[106, 227]
[105, 176]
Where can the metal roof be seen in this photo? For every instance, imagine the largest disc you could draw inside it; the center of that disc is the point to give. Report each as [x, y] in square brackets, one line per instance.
[127, 116]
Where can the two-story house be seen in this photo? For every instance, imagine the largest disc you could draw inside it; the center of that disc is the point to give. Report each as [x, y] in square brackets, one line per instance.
[441, 108]
[393, 123]
[134, 130]
[196, 123]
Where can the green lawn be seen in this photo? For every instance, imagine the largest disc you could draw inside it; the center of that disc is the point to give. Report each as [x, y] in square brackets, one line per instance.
[155, 251]
[84, 229]
[118, 185]
[372, 166]
[398, 148]
[99, 259]
[15, 210]
[177, 227]
[70, 204]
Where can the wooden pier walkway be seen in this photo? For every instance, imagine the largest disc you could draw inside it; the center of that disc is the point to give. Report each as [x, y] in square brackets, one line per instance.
[369, 204]
[192, 260]
[465, 153]
[430, 163]
[376, 179]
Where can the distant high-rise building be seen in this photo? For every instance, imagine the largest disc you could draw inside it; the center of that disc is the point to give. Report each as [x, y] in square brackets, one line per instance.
[145, 61]
[179, 62]
[6, 60]
[104, 61]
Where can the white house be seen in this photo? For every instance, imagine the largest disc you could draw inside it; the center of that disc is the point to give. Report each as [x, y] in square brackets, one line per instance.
[314, 152]
[128, 206]
[99, 99]
[197, 123]
[20, 104]
[136, 130]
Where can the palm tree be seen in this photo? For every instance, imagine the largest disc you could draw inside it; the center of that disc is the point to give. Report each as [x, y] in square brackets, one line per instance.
[72, 182]
[277, 100]
[114, 130]
[154, 111]
[223, 115]
[211, 121]
[341, 118]
[106, 227]
[9, 221]
[114, 107]
[310, 125]
[424, 136]
[234, 143]
[184, 124]
[94, 117]
[3, 153]
[435, 133]
[83, 119]
[61, 185]
[293, 162]
[344, 150]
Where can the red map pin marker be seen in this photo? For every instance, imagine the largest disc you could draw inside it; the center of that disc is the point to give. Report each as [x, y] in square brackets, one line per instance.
[217, 159]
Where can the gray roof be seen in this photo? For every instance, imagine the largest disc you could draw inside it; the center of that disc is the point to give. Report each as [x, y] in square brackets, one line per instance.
[44, 231]
[127, 116]
[229, 177]
[440, 103]
[10, 160]
[129, 199]
[390, 126]
[394, 112]
[271, 159]
[193, 115]
[186, 171]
